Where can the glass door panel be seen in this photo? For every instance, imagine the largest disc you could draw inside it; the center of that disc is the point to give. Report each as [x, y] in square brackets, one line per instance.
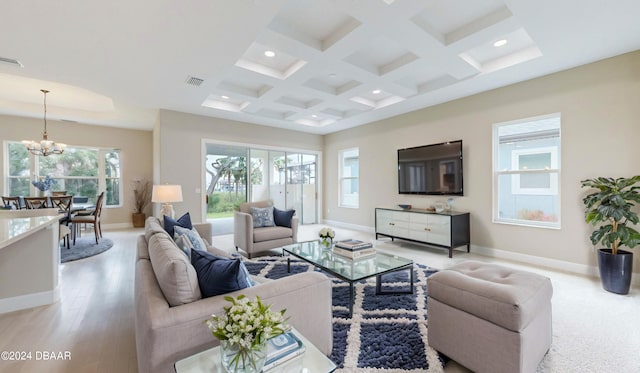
[309, 191]
[294, 183]
[259, 175]
[277, 178]
[225, 184]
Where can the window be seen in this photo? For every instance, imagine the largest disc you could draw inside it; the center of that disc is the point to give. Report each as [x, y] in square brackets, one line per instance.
[78, 171]
[349, 177]
[526, 172]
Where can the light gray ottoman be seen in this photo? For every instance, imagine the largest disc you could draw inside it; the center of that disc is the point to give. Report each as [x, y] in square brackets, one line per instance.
[490, 318]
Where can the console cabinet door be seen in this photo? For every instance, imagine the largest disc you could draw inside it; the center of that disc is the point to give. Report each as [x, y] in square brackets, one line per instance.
[393, 223]
[439, 230]
[384, 222]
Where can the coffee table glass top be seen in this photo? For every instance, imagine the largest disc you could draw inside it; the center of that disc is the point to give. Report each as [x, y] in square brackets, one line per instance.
[349, 269]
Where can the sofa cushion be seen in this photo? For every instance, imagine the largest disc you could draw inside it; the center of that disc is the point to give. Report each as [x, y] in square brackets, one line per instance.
[246, 207]
[262, 216]
[283, 217]
[193, 236]
[152, 226]
[184, 243]
[218, 275]
[183, 221]
[175, 274]
[271, 233]
[504, 296]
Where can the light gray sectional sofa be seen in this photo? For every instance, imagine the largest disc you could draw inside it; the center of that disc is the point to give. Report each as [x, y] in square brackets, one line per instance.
[166, 333]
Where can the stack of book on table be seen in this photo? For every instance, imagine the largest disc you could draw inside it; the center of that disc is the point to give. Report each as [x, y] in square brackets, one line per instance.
[354, 249]
[281, 349]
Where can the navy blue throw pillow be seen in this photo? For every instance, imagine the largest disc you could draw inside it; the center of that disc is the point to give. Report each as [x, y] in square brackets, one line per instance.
[184, 221]
[217, 275]
[283, 218]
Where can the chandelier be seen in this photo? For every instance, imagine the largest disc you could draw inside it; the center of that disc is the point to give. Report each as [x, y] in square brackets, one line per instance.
[45, 146]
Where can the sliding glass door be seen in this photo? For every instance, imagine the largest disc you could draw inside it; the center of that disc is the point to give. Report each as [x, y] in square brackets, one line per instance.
[235, 174]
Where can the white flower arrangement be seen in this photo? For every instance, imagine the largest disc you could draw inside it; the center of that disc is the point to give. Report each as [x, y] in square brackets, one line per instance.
[327, 233]
[248, 324]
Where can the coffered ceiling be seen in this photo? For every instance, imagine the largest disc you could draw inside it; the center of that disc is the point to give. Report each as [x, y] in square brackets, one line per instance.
[317, 66]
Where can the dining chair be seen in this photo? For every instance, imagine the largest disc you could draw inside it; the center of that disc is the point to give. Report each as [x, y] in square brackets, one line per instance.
[64, 206]
[36, 202]
[14, 202]
[56, 193]
[89, 219]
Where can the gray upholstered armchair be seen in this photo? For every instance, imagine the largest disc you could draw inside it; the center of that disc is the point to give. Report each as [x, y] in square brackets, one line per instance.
[254, 240]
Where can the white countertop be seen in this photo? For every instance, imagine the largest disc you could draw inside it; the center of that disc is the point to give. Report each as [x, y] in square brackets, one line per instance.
[14, 229]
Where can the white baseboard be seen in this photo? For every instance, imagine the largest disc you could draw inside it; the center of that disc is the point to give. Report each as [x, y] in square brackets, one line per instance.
[560, 265]
[117, 226]
[355, 227]
[22, 302]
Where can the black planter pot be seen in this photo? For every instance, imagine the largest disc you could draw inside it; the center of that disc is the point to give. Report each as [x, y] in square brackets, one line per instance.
[615, 270]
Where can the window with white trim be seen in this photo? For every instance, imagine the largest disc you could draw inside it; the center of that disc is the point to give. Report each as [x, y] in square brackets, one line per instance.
[80, 171]
[526, 172]
[349, 175]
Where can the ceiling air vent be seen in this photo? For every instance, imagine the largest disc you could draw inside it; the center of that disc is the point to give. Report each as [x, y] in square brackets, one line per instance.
[194, 81]
[11, 61]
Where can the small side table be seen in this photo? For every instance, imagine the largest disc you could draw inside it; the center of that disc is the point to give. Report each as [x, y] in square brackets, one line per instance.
[209, 361]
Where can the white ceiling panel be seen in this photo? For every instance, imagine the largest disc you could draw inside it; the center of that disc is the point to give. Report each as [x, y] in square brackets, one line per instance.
[109, 65]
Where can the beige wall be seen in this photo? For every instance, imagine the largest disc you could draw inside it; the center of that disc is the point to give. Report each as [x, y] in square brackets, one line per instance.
[180, 150]
[600, 107]
[136, 152]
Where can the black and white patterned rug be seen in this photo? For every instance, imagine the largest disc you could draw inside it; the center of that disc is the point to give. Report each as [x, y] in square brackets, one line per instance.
[387, 333]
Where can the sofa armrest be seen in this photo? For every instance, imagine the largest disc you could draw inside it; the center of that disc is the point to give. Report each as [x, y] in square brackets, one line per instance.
[294, 228]
[205, 230]
[243, 231]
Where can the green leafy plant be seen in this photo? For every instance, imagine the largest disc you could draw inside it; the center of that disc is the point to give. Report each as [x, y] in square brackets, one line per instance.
[610, 210]
[247, 324]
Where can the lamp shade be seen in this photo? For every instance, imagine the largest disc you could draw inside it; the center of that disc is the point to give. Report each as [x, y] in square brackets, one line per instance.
[166, 193]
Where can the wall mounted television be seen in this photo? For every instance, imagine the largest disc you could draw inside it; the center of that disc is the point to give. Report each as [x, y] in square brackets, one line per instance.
[434, 169]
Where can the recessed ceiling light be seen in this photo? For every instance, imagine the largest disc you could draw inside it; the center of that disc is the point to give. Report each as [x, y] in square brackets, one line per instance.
[269, 53]
[500, 43]
[314, 116]
[376, 91]
[225, 97]
[333, 76]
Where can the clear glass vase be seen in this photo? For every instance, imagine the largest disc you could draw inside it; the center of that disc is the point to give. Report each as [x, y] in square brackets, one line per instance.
[326, 242]
[236, 359]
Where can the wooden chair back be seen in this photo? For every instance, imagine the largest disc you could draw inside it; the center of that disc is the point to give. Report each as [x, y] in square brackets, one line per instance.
[36, 202]
[63, 204]
[14, 202]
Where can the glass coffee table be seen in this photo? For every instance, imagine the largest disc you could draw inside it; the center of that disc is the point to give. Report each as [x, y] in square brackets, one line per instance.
[312, 360]
[351, 270]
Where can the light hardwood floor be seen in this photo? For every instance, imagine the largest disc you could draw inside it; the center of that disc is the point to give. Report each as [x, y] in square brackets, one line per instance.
[93, 320]
[593, 331]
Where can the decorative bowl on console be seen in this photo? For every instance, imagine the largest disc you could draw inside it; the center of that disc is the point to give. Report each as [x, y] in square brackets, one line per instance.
[405, 207]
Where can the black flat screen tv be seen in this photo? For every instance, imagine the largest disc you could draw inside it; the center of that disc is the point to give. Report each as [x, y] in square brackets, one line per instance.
[431, 169]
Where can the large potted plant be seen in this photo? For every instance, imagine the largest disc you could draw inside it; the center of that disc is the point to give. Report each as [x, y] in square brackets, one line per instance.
[141, 199]
[610, 210]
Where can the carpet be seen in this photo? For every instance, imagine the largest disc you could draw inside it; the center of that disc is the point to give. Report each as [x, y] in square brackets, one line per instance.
[84, 247]
[387, 333]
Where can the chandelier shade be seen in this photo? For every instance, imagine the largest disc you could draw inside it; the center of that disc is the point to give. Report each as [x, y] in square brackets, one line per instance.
[45, 146]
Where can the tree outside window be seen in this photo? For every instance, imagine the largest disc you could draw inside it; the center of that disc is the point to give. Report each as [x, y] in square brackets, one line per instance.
[81, 172]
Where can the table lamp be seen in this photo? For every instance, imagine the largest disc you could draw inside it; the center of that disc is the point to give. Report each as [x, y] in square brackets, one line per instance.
[166, 194]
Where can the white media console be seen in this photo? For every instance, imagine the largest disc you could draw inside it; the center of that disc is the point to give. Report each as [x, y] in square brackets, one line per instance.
[447, 229]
